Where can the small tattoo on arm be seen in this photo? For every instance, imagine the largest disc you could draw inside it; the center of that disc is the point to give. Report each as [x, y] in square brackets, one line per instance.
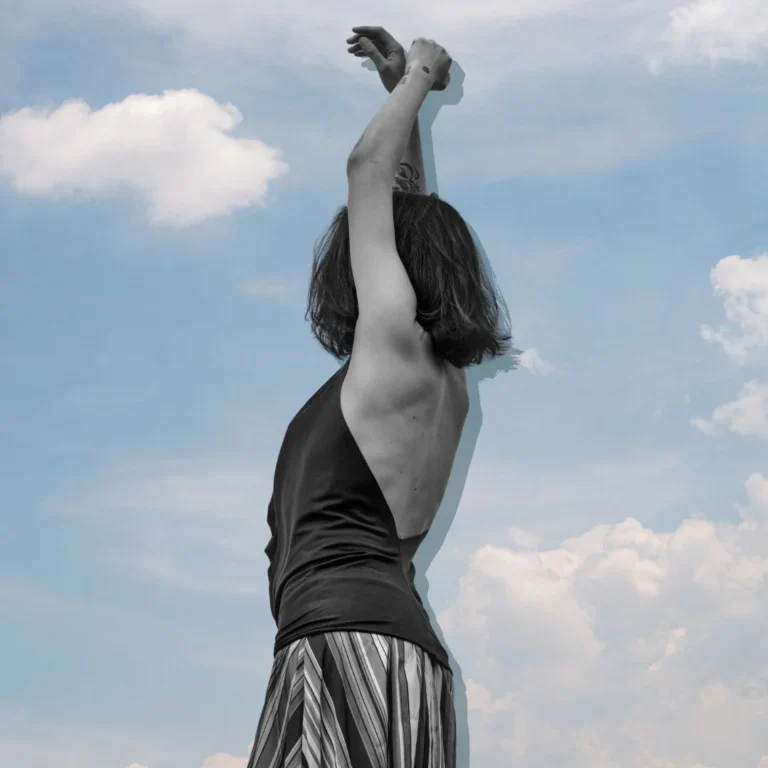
[405, 75]
[406, 178]
[407, 71]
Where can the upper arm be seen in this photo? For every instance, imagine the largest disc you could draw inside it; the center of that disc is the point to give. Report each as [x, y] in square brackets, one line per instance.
[383, 288]
[386, 300]
[390, 348]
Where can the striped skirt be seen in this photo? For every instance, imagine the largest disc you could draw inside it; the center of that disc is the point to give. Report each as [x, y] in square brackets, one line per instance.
[356, 700]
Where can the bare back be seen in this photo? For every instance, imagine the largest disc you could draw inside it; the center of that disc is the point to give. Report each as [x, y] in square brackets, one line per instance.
[407, 422]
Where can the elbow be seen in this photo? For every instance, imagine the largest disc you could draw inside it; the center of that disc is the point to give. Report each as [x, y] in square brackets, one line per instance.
[353, 163]
[364, 161]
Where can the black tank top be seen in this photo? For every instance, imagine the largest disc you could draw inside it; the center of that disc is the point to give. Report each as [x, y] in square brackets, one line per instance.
[335, 560]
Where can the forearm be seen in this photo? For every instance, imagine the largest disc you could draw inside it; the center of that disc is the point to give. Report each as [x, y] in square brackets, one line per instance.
[385, 140]
[410, 173]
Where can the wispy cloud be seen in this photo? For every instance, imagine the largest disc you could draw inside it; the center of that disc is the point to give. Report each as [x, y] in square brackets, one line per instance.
[747, 415]
[535, 363]
[31, 601]
[717, 30]
[743, 283]
[290, 293]
[189, 525]
[190, 167]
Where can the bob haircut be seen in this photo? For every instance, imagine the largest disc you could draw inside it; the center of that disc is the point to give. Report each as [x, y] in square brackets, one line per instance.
[456, 301]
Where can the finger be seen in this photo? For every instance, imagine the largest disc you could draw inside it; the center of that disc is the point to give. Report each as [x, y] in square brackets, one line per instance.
[374, 33]
[357, 50]
[370, 50]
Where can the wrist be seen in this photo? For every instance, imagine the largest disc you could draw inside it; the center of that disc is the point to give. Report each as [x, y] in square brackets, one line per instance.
[419, 70]
[415, 79]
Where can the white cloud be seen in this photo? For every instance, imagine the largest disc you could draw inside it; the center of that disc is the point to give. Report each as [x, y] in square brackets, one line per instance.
[718, 29]
[757, 492]
[616, 648]
[224, 760]
[532, 360]
[288, 292]
[748, 415]
[175, 148]
[219, 760]
[744, 284]
[235, 22]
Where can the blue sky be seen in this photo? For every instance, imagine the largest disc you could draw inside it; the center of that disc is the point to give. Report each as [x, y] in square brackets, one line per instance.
[598, 568]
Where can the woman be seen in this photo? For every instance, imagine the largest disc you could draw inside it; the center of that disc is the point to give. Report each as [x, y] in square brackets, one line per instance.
[360, 680]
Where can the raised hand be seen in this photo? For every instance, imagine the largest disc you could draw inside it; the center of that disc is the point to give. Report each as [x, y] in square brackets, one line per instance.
[383, 50]
[433, 59]
[387, 55]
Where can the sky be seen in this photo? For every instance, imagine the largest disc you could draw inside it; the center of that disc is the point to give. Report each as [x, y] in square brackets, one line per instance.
[599, 567]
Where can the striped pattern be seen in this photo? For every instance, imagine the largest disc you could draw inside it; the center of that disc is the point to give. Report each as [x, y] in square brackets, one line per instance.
[356, 700]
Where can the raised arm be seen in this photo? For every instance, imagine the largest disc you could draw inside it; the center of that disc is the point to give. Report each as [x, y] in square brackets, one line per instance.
[389, 58]
[384, 141]
[384, 291]
[385, 296]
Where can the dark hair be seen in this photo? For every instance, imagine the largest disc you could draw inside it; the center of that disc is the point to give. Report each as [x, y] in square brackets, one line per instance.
[456, 301]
